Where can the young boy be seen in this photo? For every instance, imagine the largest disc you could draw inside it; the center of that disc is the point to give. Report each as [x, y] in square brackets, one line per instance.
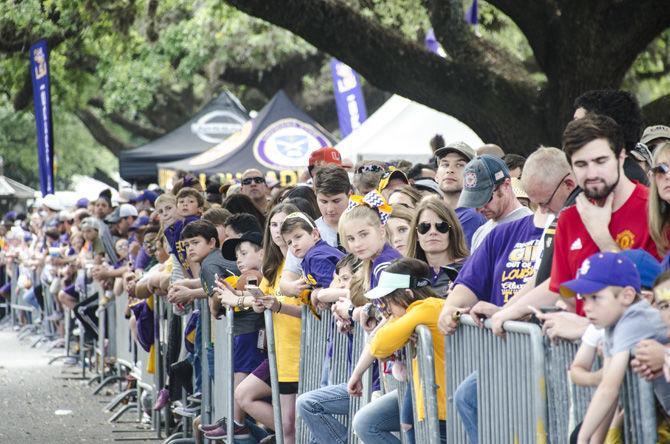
[247, 251]
[190, 205]
[609, 284]
[318, 258]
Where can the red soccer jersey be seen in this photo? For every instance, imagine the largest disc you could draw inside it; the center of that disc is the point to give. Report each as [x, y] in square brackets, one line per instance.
[573, 244]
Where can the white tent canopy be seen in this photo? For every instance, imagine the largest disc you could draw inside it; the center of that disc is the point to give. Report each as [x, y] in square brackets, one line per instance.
[402, 129]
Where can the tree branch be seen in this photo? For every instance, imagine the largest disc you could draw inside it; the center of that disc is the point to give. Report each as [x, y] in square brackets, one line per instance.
[484, 99]
[132, 127]
[100, 133]
[21, 99]
[657, 112]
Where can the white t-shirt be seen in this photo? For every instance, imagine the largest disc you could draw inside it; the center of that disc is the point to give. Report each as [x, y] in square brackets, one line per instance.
[593, 336]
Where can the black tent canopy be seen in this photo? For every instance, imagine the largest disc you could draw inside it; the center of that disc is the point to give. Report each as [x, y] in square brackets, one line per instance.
[280, 137]
[220, 118]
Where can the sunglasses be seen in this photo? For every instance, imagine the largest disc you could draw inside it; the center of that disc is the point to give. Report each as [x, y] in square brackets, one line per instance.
[424, 227]
[250, 180]
[661, 169]
[373, 168]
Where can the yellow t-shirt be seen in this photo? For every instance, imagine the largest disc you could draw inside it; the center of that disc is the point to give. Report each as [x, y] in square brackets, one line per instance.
[287, 332]
[395, 334]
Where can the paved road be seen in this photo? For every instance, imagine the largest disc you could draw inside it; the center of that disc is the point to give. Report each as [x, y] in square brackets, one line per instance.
[31, 392]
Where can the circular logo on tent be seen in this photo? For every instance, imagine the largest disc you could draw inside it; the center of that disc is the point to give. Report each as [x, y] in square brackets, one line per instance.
[216, 126]
[287, 144]
[224, 148]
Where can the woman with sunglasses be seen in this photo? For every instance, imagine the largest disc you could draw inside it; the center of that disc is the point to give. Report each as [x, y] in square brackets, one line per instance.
[437, 238]
[659, 201]
[405, 298]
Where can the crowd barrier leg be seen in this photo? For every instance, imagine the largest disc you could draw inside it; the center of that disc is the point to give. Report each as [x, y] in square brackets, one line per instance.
[159, 361]
[206, 409]
[274, 377]
[67, 319]
[427, 430]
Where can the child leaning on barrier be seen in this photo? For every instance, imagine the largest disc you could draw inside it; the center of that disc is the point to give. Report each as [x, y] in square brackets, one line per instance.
[248, 343]
[609, 284]
[405, 297]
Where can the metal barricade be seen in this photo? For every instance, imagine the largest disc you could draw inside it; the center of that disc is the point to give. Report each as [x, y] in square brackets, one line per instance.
[427, 430]
[313, 340]
[636, 398]
[205, 342]
[224, 376]
[356, 402]
[274, 376]
[511, 396]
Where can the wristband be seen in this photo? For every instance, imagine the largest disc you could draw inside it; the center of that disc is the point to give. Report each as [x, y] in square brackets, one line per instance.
[279, 308]
[351, 312]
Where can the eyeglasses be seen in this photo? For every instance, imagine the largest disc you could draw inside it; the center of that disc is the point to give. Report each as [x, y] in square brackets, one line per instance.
[424, 227]
[372, 168]
[548, 202]
[250, 180]
[661, 169]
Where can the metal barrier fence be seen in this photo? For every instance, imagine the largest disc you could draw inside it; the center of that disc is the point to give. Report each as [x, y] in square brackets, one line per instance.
[274, 376]
[223, 399]
[637, 400]
[511, 395]
[427, 430]
[356, 402]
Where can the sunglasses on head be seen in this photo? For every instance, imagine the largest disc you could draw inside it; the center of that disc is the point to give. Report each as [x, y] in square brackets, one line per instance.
[373, 168]
[424, 227]
[661, 169]
[250, 180]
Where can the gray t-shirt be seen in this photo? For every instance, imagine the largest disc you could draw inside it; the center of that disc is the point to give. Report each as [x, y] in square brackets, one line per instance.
[480, 234]
[329, 235]
[639, 321]
[246, 321]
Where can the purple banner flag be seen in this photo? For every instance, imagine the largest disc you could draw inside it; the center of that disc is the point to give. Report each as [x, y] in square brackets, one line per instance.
[349, 99]
[432, 44]
[472, 15]
[39, 71]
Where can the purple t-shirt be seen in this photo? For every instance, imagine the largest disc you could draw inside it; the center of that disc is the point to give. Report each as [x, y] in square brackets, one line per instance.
[503, 262]
[319, 263]
[470, 220]
[388, 255]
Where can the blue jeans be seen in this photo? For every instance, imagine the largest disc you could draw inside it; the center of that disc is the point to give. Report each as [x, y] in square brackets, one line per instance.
[407, 415]
[465, 399]
[317, 409]
[375, 422]
[197, 363]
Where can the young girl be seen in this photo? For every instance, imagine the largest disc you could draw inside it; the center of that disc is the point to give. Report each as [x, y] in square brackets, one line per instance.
[362, 232]
[255, 388]
[406, 299]
[399, 227]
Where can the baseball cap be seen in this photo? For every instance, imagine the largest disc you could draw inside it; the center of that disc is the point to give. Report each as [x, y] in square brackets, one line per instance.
[459, 147]
[52, 202]
[149, 195]
[123, 210]
[428, 184]
[602, 270]
[480, 177]
[389, 282]
[647, 266]
[140, 222]
[229, 246]
[327, 154]
[655, 132]
[390, 175]
[641, 153]
[82, 203]
[519, 192]
[127, 195]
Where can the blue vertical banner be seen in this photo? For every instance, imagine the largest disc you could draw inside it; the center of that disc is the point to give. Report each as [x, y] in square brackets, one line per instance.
[472, 16]
[39, 71]
[349, 99]
[433, 45]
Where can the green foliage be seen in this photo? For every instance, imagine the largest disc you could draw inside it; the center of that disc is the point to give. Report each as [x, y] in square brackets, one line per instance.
[76, 152]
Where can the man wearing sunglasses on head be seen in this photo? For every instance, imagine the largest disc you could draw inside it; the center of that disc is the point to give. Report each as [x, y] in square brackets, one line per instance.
[253, 185]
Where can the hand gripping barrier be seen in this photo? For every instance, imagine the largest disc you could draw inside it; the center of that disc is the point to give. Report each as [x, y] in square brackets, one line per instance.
[428, 430]
[511, 397]
[636, 397]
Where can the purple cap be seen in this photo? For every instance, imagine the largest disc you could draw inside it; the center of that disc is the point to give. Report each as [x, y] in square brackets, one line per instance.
[82, 203]
[602, 270]
[139, 223]
[149, 195]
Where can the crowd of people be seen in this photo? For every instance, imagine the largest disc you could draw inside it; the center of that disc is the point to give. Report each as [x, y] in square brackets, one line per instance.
[584, 229]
